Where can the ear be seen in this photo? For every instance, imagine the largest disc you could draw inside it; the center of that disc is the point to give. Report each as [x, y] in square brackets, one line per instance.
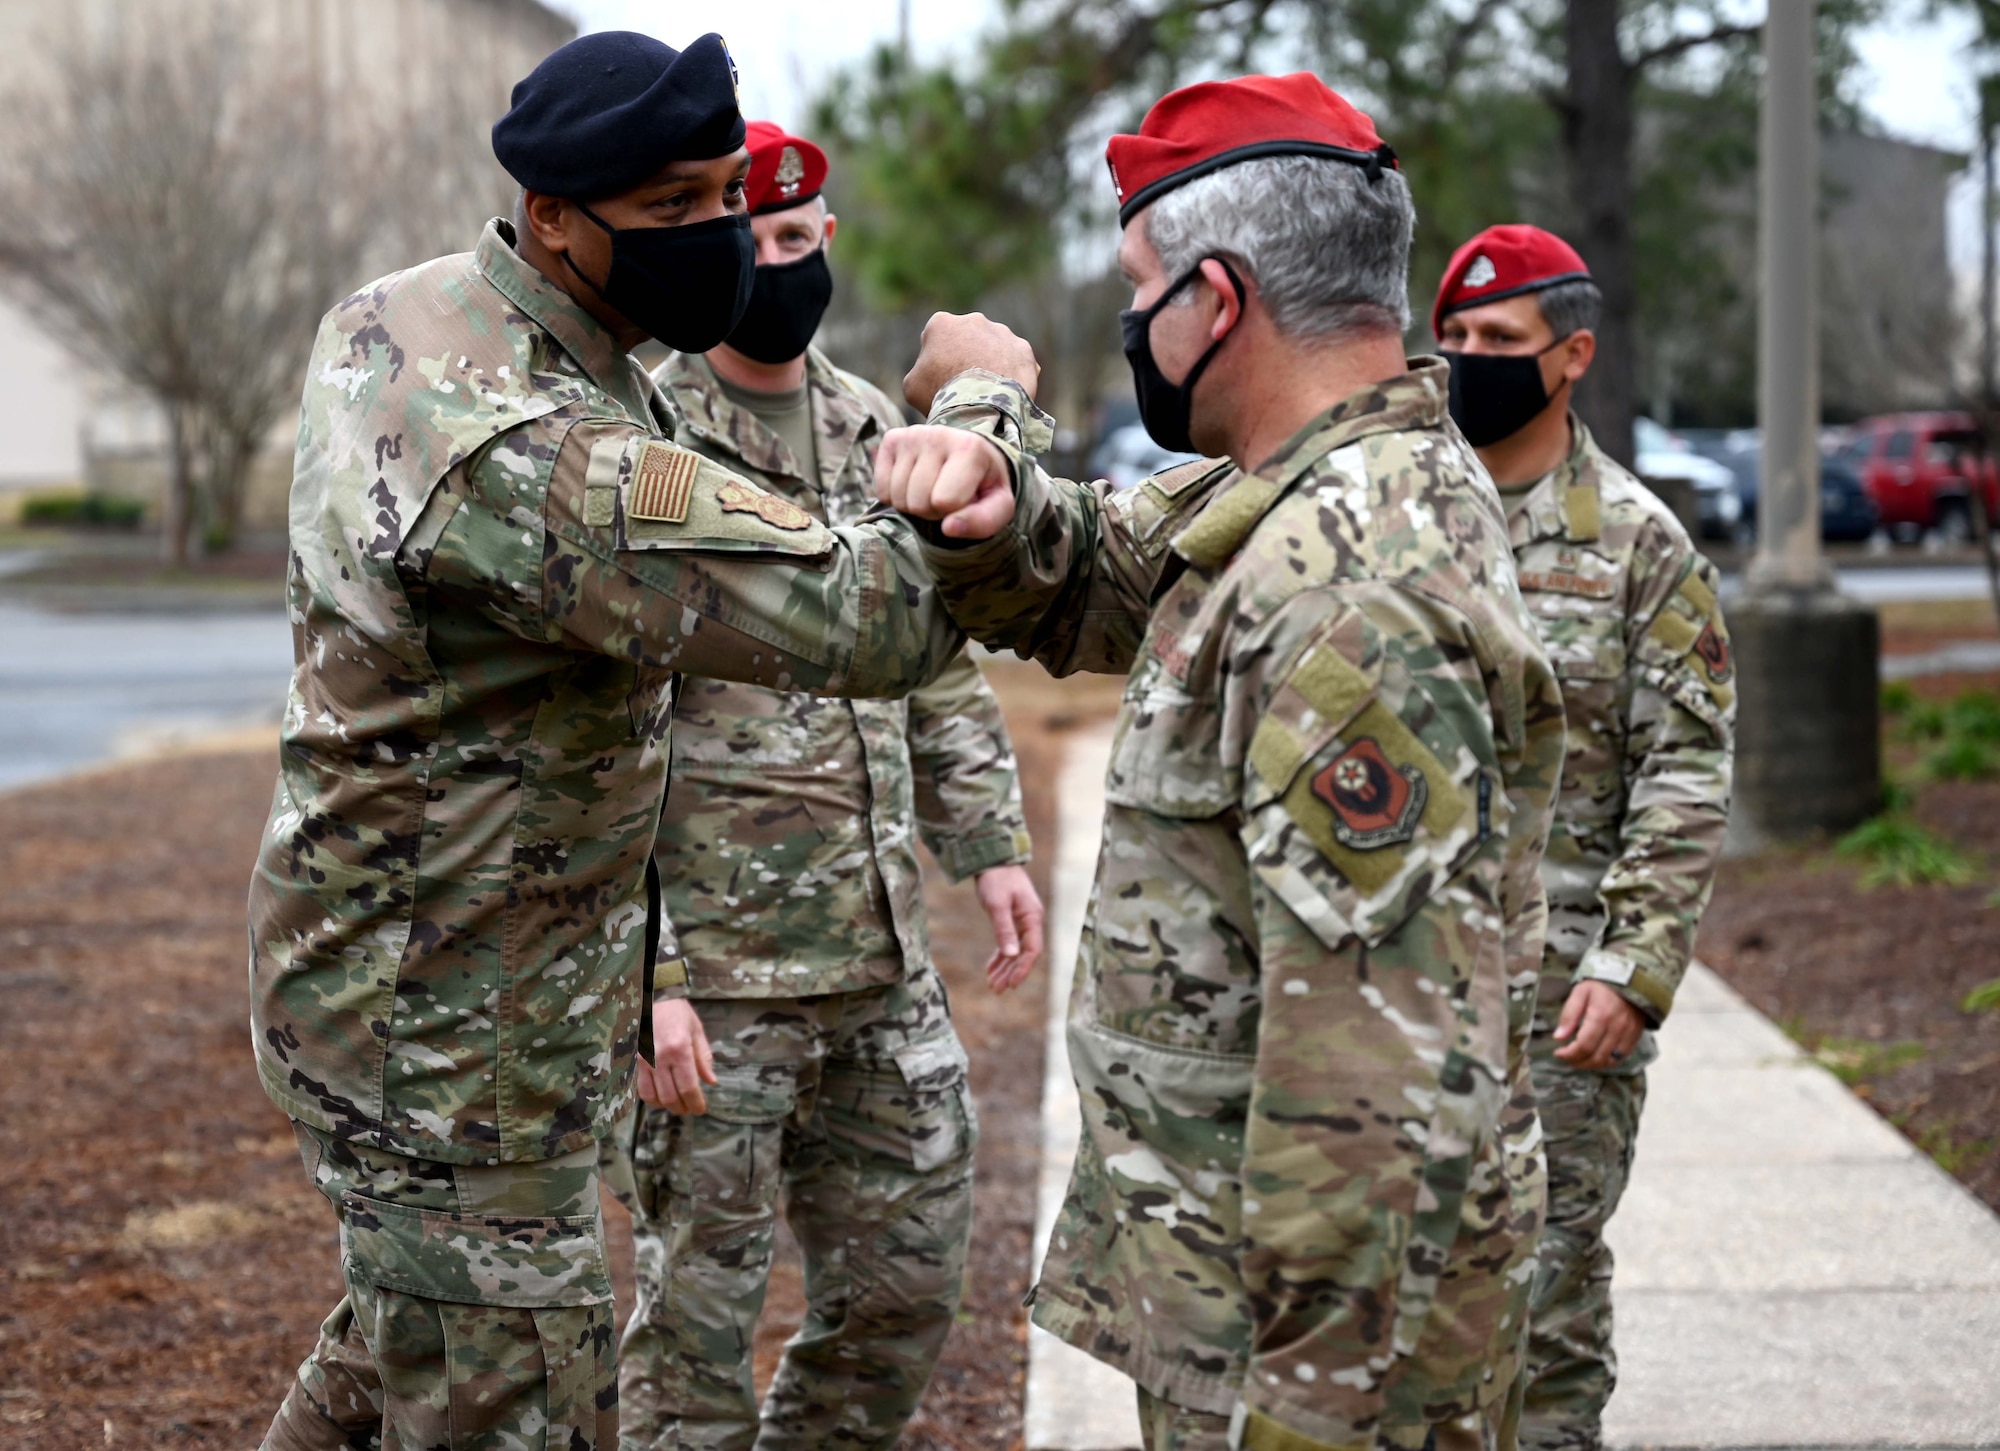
[832, 225]
[548, 219]
[1229, 308]
[1579, 351]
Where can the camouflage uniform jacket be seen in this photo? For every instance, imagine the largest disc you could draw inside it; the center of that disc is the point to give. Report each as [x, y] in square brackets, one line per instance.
[774, 891]
[498, 563]
[1309, 1183]
[1628, 611]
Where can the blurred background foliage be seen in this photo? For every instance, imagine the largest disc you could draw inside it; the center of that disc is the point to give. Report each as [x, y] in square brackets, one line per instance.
[1629, 127]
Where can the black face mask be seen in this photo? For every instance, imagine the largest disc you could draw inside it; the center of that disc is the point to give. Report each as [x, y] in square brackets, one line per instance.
[1166, 407]
[1495, 395]
[786, 303]
[686, 286]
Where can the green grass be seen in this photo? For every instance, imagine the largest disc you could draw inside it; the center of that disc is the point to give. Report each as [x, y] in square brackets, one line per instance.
[1897, 697]
[1983, 999]
[1857, 1060]
[1975, 715]
[1963, 758]
[1900, 853]
[1954, 1155]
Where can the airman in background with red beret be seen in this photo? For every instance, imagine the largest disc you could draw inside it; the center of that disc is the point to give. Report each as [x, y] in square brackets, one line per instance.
[1628, 611]
[1304, 1208]
[810, 1053]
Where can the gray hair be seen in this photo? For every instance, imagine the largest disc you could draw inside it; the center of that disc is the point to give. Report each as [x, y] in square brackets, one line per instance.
[1570, 307]
[1329, 249]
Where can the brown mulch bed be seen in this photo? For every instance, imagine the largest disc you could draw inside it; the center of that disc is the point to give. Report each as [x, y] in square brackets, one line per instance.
[1872, 980]
[164, 1264]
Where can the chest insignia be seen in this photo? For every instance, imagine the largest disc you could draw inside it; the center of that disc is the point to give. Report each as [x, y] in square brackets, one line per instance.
[1375, 802]
[737, 497]
[663, 484]
[1567, 582]
[1173, 659]
[1714, 651]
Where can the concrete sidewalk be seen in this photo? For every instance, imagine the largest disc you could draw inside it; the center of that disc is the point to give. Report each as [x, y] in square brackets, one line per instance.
[1791, 1271]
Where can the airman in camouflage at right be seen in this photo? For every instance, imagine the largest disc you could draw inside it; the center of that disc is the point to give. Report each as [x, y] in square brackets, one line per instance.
[1628, 610]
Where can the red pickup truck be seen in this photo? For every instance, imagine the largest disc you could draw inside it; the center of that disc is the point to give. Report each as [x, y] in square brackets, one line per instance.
[1921, 468]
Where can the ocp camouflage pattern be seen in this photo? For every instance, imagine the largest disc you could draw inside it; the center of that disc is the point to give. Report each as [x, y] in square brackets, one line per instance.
[1629, 612]
[853, 1108]
[788, 845]
[447, 917]
[478, 1308]
[1310, 1176]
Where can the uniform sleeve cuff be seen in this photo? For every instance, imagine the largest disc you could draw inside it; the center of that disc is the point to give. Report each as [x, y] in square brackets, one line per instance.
[996, 406]
[1639, 986]
[670, 979]
[978, 851]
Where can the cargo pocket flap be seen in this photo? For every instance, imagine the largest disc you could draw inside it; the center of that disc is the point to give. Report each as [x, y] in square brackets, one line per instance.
[933, 1063]
[469, 1259]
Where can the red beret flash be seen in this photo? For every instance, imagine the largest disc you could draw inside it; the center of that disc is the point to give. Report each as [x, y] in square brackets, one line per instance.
[1205, 127]
[1504, 262]
[785, 171]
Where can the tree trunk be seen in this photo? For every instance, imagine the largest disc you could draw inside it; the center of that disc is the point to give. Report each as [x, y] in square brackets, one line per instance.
[232, 458]
[177, 511]
[1597, 137]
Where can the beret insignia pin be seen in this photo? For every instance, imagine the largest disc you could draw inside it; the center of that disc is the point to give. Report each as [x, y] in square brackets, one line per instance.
[791, 171]
[1375, 802]
[1482, 272]
[737, 497]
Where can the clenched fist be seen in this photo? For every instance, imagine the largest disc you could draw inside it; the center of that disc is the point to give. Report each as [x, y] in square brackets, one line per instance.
[954, 342]
[947, 474]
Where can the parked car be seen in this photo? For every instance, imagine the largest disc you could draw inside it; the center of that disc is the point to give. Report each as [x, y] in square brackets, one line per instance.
[1921, 469]
[1665, 456]
[1846, 512]
[1128, 454]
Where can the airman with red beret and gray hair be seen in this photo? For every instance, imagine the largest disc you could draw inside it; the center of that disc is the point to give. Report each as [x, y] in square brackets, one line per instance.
[787, 856]
[1629, 612]
[1304, 1209]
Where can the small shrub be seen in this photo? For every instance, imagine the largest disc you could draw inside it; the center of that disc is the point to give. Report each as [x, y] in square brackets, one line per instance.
[1925, 721]
[1901, 853]
[1983, 999]
[1962, 758]
[1975, 716]
[1897, 697]
[97, 511]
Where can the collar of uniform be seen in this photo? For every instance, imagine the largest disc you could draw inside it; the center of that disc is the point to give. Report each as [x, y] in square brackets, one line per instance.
[839, 416]
[1415, 400]
[582, 336]
[1564, 504]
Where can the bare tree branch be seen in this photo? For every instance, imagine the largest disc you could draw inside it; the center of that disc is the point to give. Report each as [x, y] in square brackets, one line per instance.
[1459, 48]
[1680, 45]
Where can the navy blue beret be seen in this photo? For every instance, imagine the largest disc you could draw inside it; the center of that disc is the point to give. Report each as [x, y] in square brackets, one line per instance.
[608, 110]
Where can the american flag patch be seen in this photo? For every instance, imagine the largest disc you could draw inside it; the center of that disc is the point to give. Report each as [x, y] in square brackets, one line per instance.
[663, 484]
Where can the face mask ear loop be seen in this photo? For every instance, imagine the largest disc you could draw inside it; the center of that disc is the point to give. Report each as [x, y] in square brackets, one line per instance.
[570, 261]
[1186, 385]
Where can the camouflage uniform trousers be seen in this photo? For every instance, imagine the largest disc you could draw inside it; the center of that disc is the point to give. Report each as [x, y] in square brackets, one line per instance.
[478, 1310]
[1164, 1426]
[853, 1108]
[1590, 1122]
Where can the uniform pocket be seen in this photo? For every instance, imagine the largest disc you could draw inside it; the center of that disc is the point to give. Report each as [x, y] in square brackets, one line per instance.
[470, 1259]
[723, 1169]
[914, 1111]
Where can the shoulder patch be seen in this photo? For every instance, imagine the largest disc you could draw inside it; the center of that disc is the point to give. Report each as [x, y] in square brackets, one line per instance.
[664, 484]
[737, 497]
[659, 495]
[1171, 483]
[1375, 802]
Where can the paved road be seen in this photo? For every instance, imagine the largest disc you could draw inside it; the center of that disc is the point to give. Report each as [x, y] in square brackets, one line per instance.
[78, 689]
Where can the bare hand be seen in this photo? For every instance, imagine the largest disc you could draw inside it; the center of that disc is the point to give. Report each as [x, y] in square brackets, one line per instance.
[946, 474]
[1015, 910]
[954, 342]
[682, 1062]
[1599, 1026]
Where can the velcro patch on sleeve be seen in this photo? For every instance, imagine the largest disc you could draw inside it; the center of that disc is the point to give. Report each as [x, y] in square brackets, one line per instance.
[663, 483]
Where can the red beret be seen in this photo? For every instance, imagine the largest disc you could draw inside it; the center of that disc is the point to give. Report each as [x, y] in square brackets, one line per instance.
[1205, 127]
[785, 171]
[1504, 262]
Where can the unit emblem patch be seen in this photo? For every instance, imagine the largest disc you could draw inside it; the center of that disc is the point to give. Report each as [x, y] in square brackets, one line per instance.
[1713, 648]
[663, 484]
[1375, 802]
[737, 497]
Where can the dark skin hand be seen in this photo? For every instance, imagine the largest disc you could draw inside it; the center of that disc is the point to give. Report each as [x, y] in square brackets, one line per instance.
[682, 192]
